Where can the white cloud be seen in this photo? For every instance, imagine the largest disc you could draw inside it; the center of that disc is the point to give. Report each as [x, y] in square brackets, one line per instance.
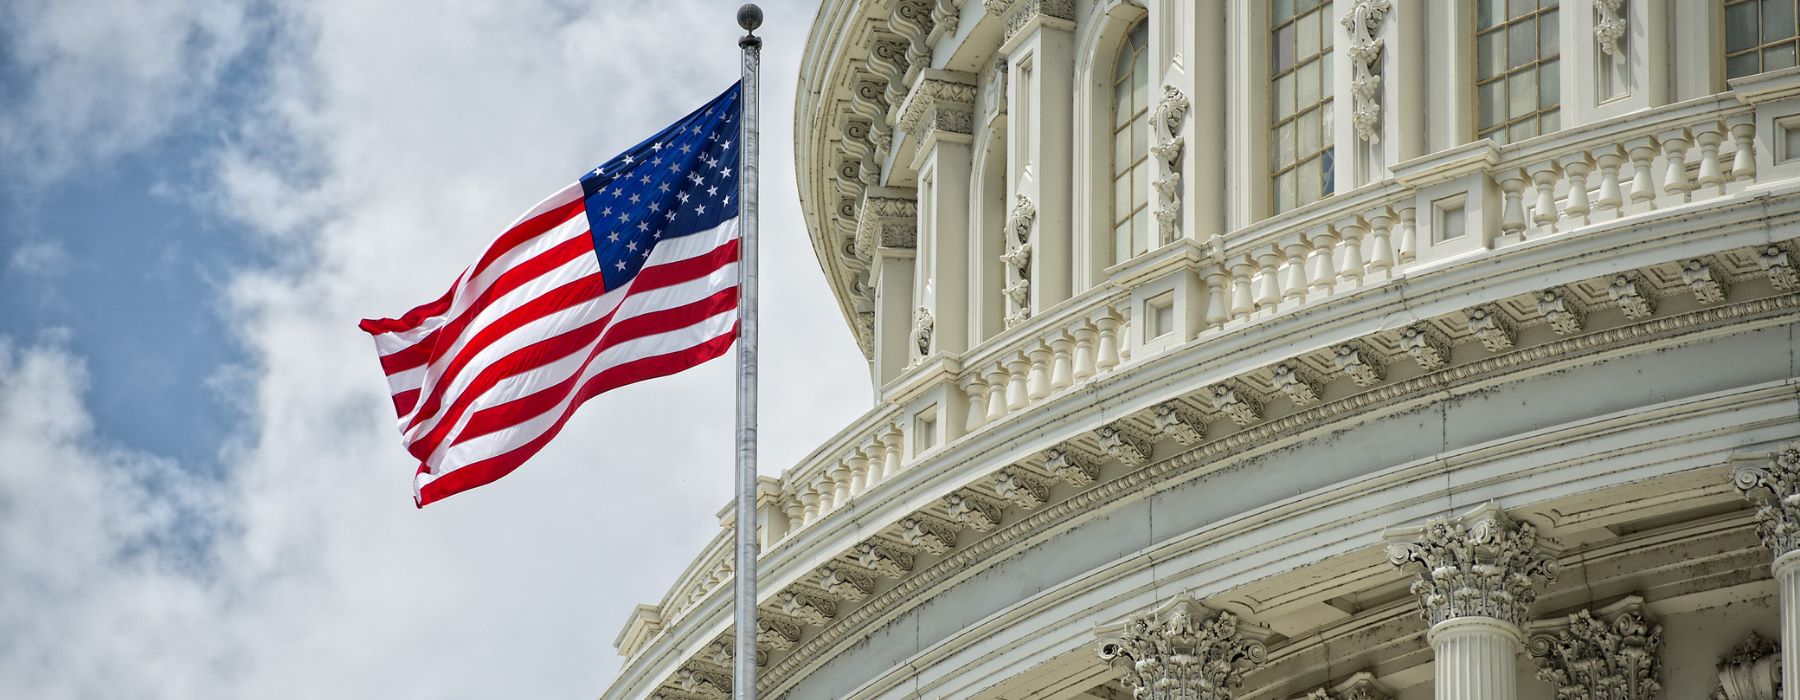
[102, 77]
[394, 140]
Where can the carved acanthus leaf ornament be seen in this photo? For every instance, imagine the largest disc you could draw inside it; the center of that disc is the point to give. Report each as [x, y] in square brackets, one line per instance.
[1363, 21]
[1165, 122]
[1183, 651]
[1482, 564]
[1018, 260]
[1609, 27]
[1599, 659]
[1775, 488]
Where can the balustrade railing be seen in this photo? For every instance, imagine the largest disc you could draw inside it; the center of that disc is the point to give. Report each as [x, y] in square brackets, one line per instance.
[1588, 175]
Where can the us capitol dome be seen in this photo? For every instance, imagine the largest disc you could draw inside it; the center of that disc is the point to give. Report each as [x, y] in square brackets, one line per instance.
[1281, 349]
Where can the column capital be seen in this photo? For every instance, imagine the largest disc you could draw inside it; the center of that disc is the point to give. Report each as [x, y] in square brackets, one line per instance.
[1185, 649]
[1610, 654]
[1479, 564]
[1774, 485]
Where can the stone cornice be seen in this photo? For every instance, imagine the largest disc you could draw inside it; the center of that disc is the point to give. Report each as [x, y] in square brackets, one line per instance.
[1062, 514]
[1556, 353]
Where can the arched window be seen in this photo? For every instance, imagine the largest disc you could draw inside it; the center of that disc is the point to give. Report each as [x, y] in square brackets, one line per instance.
[1130, 146]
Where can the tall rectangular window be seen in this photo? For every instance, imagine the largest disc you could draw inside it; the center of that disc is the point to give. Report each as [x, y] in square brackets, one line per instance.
[1518, 83]
[1300, 143]
[1759, 36]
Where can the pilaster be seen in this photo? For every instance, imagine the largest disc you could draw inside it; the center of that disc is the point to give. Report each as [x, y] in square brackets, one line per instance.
[1039, 45]
[938, 115]
[888, 229]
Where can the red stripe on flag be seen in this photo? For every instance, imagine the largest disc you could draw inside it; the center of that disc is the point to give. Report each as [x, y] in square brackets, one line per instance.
[487, 470]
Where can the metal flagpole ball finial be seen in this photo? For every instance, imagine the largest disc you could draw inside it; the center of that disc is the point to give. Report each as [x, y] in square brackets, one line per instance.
[750, 17]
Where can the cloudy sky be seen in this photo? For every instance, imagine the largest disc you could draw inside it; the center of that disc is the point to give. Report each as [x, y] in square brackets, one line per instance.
[202, 494]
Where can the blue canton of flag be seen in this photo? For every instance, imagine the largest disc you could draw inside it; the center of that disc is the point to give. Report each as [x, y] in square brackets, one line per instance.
[673, 184]
[629, 273]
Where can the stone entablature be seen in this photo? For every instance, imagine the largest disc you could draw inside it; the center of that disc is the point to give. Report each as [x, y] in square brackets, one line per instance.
[937, 528]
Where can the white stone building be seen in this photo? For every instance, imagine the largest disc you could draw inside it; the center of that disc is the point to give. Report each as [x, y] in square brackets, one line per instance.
[1289, 349]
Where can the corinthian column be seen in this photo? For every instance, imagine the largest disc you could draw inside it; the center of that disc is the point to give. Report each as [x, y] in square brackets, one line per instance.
[1477, 577]
[1775, 487]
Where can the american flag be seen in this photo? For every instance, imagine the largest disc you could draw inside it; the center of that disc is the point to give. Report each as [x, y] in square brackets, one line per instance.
[627, 274]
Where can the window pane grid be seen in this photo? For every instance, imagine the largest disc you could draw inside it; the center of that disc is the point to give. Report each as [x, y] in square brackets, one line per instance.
[1518, 86]
[1131, 147]
[1300, 138]
[1760, 36]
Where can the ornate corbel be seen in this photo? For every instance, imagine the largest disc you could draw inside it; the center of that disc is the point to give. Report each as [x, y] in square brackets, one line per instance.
[1122, 444]
[938, 105]
[844, 584]
[1708, 286]
[806, 607]
[884, 560]
[775, 631]
[1425, 346]
[1020, 13]
[1363, 21]
[1071, 466]
[1779, 267]
[975, 512]
[1561, 311]
[1236, 404]
[1480, 564]
[1359, 686]
[946, 16]
[1179, 423]
[1183, 650]
[1490, 326]
[1633, 297]
[1293, 382]
[1357, 362]
[928, 534]
[1022, 489]
[913, 21]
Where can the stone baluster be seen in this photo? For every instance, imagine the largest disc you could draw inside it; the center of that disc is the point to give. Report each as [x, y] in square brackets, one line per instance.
[1349, 252]
[1675, 143]
[1218, 310]
[873, 457]
[1324, 275]
[1037, 382]
[858, 462]
[1512, 211]
[892, 449]
[1708, 136]
[1017, 369]
[1543, 204]
[1408, 235]
[1575, 168]
[976, 391]
[1774, 486]
[840, 483]
[1085, 336]
[823, 487]
[1107, 357]
[796, 514]
[1062, 373]
[1293, 271]
[1608, 159]
[997, 382]
[1477, 576]
[1381, 244]
[1642, 150]
[1243, 300]
[1268, 287]
[1743, 154]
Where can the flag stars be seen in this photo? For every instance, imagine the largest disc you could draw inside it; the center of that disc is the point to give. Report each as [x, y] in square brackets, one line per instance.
[624, 218]
[644, 179]
[670, 216]
[726, 172]
[712, 191]
[643, 226]
[613, 237]
[631, 246]
[628, 159]
[701, 209]
[635, 198]
[664, 188]
[621, 266]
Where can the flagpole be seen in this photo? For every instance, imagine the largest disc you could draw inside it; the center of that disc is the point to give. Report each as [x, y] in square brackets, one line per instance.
[743, 682]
